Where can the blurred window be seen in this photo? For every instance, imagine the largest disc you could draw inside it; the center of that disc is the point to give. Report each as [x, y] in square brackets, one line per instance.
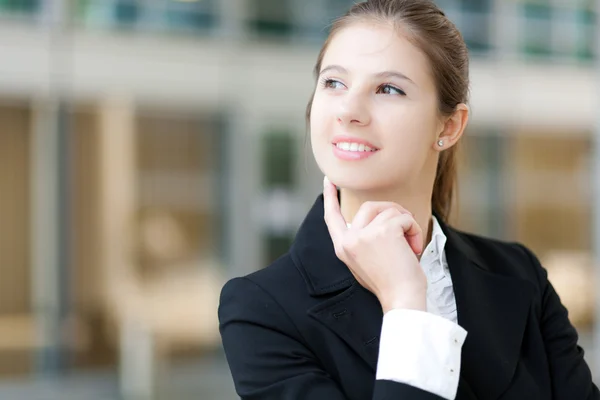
[178, 161]
[279, 155]
[563, 29]
[279, 160]
[148, 15]
[15, 284]
[508, 188]
[472, 17]
[270, 18]
[19, 7]
[537, 28]
[482, 183]
[550, 189]
[313, 18]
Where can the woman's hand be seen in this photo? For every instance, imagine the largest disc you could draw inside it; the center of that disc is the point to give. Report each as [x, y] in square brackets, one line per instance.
[380, 250]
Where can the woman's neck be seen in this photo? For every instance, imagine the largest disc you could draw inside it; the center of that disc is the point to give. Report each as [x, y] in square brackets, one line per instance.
[419, 204]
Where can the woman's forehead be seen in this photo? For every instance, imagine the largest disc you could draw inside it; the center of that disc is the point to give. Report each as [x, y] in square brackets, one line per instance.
[374, 47]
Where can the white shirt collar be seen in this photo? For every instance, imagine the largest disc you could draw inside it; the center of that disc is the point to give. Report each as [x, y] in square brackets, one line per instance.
[433, 258]
[437, 236]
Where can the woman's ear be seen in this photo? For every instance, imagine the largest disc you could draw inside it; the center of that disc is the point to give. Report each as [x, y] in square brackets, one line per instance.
[454, 127]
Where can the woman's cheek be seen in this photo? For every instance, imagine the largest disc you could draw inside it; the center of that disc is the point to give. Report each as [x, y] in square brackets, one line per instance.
[319, 128]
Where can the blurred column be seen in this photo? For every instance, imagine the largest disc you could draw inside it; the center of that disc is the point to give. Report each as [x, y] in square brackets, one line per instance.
[118, 180]
[232, 15]
[50, 185]
[48, 239]
[596, 208]
[117, 166]
[241, 192]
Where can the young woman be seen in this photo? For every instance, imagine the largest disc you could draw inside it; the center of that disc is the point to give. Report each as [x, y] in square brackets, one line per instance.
[378, 298]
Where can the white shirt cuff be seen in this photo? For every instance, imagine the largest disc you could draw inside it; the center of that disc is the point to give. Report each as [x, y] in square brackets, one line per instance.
[421, 350]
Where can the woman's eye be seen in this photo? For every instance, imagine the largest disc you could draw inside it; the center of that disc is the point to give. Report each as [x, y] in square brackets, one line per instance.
[332, 84]
[389, 89]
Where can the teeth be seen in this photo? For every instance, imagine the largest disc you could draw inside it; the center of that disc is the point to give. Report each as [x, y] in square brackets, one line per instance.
[353, 147]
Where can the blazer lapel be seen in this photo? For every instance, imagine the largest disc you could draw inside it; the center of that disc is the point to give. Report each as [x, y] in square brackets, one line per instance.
[355, 315]
[348, 309]
[494, 311]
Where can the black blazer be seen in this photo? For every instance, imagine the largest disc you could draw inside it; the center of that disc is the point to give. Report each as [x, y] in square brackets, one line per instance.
[303, 328]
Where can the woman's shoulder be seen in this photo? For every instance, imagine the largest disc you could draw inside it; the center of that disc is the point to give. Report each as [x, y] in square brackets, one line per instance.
[492, 244]
[280, 283]
[279, 272]
[272, 298]
[504, 257]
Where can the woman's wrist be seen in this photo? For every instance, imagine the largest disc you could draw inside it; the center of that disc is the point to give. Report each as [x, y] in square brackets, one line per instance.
[404, 301]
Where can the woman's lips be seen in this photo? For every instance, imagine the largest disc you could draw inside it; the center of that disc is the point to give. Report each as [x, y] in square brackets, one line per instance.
[352, 155]
[340, 139]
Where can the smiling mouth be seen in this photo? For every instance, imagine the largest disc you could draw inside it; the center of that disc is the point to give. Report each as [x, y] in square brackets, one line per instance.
[355, 147]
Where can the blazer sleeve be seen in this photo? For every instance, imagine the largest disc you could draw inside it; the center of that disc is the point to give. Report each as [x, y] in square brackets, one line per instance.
[571, 376]
[268, 359]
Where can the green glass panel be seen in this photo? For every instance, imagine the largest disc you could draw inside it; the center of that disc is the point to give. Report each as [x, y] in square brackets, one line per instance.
[270, 28]
[279, 159]
[477, 46]
[536, 49]
[270, 18]
[586, 19]
[126, 11]
[537, 10]
[537, 28]
[585, 46]
[587, 16]
[319, 28]
[20, 6]
[447, 4]
[476, 5]
[196, 15]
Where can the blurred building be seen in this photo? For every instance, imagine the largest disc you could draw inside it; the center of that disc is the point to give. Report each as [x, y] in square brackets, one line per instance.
[150, 149]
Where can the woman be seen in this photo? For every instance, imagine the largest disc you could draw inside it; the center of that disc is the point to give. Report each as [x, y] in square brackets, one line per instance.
[378, 298]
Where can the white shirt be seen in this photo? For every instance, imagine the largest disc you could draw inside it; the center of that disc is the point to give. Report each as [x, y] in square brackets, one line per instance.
[423, 349]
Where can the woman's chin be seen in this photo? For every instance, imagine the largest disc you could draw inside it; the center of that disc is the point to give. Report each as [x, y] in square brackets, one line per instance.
[353, 183]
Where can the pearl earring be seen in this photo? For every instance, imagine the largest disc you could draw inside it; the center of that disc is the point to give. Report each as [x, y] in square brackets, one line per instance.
[441, 143]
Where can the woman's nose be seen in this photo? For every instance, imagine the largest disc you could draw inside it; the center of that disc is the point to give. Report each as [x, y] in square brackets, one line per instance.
[353, 110]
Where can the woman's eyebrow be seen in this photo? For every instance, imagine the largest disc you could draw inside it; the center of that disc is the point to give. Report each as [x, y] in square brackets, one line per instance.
[334, 68]
[394, 74]
[383, 74]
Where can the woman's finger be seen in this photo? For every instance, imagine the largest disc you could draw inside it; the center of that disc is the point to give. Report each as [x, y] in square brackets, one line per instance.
[331, 207]
[413, 235]
[369, 210]
[411, 229]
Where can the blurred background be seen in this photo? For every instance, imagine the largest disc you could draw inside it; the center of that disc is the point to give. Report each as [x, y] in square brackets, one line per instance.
[152, 149]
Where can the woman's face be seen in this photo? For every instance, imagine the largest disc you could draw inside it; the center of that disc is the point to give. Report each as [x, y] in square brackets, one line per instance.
[375, 89]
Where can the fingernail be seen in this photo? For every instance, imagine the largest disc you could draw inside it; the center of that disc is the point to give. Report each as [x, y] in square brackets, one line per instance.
[325, 181]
